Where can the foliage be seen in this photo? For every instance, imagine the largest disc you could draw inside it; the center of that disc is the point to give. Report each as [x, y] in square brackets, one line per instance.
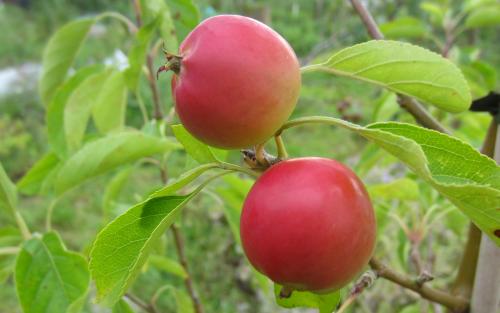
[100, 154]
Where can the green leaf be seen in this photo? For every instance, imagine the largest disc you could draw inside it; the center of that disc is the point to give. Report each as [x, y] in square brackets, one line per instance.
[183, 302]
[113, 190]
[167, 265]
[108, 111]
[403, 68]
[326, 303]
[10, 236]
[78, 108]
[470, 5]
[484, 16]
[368, 159]
[8, 192]
[413, 308]
[402, 189]
[467, 178]
[122, 307]
[122, 247]
[31, 183]
[7, 265]
[481, 77]
[49, 278]
[137, 54]
[154, 9]
[183, 180]
[234, 192]
[195, 148]
[107, 153]
[436, 12]
[59, 55]
[386, 107]
[55, 111]
[404, 27]
[186, 16]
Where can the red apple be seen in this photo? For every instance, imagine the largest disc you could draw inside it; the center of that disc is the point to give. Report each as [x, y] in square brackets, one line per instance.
[308, 224]
[238, 81]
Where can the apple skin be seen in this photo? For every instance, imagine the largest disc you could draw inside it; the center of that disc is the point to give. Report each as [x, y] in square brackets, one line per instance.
[308, 224]
[239, 81]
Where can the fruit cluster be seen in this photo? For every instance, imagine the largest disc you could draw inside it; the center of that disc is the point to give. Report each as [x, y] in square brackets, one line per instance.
[307, 223]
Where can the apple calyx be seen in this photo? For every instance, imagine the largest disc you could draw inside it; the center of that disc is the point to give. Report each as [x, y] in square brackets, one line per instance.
[173, 64]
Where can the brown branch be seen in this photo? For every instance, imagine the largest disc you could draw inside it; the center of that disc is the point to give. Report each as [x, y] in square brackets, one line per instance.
[455, 303]
[158, 114]
[145, 306]
[138, 12]
[179, 245]
[450, 40]
[486, 293]
[421, 115]
[367, 19]
[365, 281]
[464, 280]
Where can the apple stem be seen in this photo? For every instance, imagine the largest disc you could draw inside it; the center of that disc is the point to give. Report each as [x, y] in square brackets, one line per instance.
[347, 303]
[286, 292]
[280, 146]
[260, 155]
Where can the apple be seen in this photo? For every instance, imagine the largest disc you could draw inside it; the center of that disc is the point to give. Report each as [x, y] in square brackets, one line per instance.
[308, 224]
[236, 81]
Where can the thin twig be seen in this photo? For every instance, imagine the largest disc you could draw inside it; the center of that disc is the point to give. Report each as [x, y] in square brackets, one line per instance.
[455, 303]
[138, 12]
[48, 216]
[421, 115]
[415, 257]
[367, 19]
[21, 224]
[364, 282]
[158, 115]
[486, 293]
[464, 280]
[9, 250]
[143, 305]
[346, 304]
[179, 244]
[125, 20]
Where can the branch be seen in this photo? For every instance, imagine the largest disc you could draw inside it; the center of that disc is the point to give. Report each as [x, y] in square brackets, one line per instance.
[367, 19]
[9, 250]
[464, 280]
[486, 293]
[455, 303]
[158, 114]
[179, 245]
[21, 224]
[146, 307]
[365, 281]
[421, 115]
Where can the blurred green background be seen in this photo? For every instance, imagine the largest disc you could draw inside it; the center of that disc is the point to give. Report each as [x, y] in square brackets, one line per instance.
[315, 29]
